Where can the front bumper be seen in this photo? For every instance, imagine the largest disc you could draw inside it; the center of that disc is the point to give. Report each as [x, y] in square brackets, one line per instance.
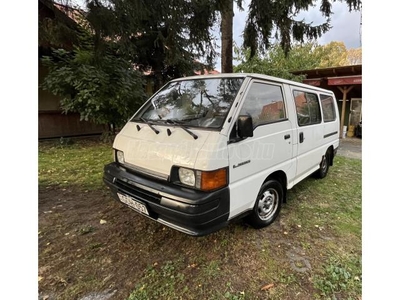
[190, 211]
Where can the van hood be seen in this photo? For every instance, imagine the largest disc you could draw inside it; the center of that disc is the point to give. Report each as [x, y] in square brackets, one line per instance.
[155, 154]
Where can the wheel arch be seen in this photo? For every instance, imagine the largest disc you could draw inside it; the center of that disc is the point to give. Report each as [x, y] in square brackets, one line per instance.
[282, 178]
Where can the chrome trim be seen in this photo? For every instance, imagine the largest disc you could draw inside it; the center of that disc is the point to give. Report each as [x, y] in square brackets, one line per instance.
[176, 227]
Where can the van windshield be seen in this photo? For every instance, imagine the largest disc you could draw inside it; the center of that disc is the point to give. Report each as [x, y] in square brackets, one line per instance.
[194, 103]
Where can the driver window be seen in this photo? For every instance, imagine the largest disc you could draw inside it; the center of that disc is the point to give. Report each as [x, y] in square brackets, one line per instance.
[264, 103]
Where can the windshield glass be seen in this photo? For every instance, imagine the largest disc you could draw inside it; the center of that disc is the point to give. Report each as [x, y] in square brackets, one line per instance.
[195, 103]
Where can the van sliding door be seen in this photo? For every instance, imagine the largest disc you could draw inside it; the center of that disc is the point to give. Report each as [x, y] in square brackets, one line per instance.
[309, 132]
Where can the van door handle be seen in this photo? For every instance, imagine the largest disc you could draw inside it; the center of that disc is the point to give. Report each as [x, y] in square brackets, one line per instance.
[287, 136]
[301, 136]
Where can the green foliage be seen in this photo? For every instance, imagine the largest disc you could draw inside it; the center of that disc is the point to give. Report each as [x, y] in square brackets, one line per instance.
[333, 54]
[104, 90]
[160, 283]
[275, 63]
[231, 295]
[340, 277]
[301, 57]
[165, 38]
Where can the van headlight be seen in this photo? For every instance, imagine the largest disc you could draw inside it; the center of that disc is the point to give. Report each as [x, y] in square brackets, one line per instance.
[119, 156]
[204, 180]
[187, 176]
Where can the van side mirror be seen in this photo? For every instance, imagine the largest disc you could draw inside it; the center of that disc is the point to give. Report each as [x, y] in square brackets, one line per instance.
[245, 126]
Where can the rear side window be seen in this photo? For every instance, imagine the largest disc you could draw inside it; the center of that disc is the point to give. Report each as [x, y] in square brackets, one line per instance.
[264, 103]
[307, 107]
[328, 108]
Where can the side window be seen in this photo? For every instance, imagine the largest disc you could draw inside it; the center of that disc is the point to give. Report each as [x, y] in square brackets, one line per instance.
[264, 103]
[328, 108]
[307, 107]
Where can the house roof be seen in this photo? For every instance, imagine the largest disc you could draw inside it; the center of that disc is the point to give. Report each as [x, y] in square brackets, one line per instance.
[206, 72]
[331, 72]
[334, 78]
[66, 13]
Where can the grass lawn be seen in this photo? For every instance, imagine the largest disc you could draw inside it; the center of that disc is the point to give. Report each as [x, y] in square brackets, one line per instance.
[91, 245]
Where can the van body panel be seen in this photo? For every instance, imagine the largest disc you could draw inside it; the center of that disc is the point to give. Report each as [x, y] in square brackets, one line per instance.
[213, 154]
[257, 157]
[311, 150]
[244, 192]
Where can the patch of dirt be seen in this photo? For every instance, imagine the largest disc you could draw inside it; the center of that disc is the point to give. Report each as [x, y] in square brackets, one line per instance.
[78, 250]
[93, 247]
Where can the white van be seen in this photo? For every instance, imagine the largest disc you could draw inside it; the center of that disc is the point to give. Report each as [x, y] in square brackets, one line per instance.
[206, 149]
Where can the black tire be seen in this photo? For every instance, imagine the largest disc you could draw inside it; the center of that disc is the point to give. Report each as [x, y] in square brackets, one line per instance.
[324, 165]
[268, 204]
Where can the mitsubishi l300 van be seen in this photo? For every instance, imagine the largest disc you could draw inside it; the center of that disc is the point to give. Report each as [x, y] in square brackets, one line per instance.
[204, 150]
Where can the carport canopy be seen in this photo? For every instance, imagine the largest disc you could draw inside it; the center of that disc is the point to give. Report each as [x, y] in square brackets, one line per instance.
[345, 79]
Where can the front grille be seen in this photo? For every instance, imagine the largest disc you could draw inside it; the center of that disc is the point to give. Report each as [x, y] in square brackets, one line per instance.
[146, 172]
[137, 192]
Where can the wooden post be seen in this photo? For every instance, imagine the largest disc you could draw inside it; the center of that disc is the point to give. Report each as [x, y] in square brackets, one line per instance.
[344, 91]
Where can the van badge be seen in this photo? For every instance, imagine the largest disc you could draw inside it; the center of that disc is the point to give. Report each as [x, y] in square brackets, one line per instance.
[241, 164]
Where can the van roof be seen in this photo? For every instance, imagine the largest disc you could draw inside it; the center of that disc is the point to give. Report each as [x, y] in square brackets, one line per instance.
[254, 75]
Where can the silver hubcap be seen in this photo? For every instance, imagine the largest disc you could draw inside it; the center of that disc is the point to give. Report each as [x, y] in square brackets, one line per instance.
[268, 204]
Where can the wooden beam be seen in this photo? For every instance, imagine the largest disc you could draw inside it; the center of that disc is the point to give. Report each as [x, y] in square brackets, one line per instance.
[314, 82]
[345, 80]
[344, 91]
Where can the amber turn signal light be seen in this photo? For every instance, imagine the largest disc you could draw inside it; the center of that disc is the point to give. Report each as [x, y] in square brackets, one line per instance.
[212, 180]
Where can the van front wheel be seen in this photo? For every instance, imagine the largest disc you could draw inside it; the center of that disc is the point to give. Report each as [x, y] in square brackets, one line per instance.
[268, 204]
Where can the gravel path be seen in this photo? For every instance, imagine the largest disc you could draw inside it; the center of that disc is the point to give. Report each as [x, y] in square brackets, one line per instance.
[350, 147]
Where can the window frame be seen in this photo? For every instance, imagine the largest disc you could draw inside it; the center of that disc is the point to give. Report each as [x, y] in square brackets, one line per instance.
[319, 106]
[334, 110]
[275, 84]
[139, 113]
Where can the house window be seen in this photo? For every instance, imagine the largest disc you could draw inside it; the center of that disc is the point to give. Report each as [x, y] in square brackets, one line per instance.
[264, 103]
[307, 107]
[328, 108]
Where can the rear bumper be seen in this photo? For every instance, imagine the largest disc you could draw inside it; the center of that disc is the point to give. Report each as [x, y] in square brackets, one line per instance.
[193, 212]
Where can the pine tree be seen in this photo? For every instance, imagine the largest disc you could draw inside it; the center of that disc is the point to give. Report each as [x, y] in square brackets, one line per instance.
[277, 18]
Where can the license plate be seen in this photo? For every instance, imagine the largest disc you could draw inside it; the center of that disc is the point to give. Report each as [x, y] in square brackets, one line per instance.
[132, 203]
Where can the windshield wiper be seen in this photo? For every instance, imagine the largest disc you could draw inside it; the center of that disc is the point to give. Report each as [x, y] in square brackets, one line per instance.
[195, 136]
[151, 126]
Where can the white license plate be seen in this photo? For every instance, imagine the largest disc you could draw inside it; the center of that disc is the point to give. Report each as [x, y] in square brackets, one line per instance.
[132, 203]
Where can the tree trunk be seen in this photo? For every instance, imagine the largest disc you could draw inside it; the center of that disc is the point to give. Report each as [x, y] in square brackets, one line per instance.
[227, 36]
